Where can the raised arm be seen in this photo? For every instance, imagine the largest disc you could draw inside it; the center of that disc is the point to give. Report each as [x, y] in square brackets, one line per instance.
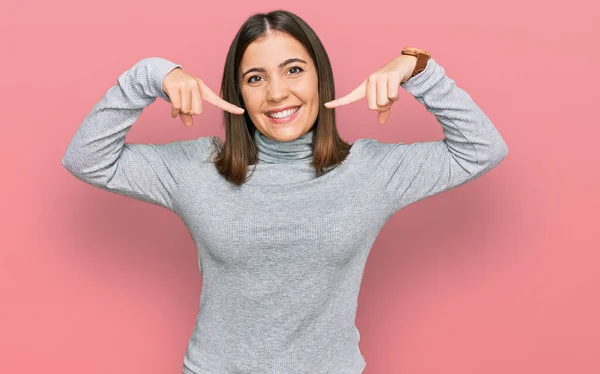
[471, 146]
[98, 155]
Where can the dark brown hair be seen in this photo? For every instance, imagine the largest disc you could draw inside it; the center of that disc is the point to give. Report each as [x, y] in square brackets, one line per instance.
[239, 151]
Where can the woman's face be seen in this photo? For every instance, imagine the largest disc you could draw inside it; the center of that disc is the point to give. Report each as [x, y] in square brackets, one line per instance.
[269, 82]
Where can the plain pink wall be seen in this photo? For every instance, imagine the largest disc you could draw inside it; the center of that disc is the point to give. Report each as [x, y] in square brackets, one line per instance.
[498, 276]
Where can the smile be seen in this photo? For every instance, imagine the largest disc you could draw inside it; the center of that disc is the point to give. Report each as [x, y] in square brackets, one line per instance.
[285, 116]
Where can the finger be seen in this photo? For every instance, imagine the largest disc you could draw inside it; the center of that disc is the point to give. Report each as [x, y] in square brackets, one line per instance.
[213, 98]
[357, 94]
[186, 101]
[186, 119]
[372, 94]
[383, 116]
[176, 103]
[196, 100]
[186, 107]
[393, 87]
[382, 91]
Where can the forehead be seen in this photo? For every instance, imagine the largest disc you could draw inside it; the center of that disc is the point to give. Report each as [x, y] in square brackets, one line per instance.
[272, 49]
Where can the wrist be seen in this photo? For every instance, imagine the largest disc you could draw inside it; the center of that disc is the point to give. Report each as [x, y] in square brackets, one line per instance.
[411, 62]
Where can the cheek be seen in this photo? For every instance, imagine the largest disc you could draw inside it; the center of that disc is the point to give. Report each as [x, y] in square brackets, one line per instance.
[252, 101]
[308, 93]
[311, 91]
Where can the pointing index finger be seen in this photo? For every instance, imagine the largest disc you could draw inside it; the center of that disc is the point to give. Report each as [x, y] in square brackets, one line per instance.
[217, 101]
[357, 94]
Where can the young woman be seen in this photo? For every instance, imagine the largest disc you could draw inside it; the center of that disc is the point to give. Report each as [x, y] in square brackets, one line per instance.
[283, 212]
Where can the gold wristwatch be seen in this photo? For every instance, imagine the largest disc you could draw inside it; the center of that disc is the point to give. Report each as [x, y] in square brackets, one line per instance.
[422, 57]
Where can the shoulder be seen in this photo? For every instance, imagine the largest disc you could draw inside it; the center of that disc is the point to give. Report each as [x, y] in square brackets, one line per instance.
[199, 149]
[369, 149]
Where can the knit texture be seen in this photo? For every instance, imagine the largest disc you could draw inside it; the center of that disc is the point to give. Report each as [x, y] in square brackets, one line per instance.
[282, 256]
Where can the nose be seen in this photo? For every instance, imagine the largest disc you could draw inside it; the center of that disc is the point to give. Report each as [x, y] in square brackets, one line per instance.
[277, 89]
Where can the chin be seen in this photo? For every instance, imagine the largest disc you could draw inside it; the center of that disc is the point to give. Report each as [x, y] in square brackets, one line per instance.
[281, 133]
[285, 134]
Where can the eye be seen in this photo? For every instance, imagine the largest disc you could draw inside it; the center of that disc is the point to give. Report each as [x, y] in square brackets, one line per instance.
[250, 79]
[296, 67]
[292, 68]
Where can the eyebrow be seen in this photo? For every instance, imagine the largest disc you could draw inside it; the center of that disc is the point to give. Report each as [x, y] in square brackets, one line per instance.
[288, 61]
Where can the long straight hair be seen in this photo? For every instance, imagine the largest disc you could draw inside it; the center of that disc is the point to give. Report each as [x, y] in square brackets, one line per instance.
[239, 150]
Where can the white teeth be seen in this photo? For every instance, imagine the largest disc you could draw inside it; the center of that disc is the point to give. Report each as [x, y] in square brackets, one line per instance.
[285, 113]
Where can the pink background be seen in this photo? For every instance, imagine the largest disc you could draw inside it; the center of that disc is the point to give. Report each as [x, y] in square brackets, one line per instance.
[498, 276]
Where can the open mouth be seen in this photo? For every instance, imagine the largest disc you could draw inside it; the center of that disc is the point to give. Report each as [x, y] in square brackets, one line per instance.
[285, 116]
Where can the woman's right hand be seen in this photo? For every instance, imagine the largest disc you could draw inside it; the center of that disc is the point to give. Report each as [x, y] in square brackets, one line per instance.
[186, 93]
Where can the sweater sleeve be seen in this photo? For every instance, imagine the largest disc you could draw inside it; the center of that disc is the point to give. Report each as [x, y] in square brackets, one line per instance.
[472, 145]
[98, 155]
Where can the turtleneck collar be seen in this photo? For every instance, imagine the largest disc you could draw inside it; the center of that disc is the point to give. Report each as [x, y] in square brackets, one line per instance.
[271, 151]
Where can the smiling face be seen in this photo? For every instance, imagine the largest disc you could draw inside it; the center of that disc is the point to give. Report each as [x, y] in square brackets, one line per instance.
[277, 72]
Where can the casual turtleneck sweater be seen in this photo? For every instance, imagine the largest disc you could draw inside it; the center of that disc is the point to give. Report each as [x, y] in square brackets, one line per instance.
[272, 151]
[281, 256]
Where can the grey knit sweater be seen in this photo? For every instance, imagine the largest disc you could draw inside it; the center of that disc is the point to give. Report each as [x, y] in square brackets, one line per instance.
[282, 257]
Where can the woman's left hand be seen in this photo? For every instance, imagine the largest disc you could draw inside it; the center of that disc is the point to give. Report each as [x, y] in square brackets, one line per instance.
[381, 87]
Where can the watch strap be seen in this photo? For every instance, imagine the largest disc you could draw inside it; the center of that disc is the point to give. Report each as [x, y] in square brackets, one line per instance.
[422, 57]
